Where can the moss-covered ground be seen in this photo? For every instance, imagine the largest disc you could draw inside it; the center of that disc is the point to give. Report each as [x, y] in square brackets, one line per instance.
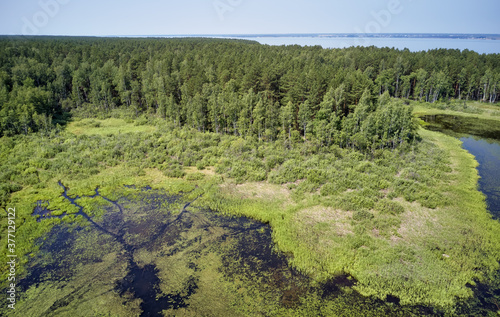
[407, 225]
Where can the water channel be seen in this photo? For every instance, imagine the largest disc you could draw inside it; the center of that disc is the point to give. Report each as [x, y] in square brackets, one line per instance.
[482, 139]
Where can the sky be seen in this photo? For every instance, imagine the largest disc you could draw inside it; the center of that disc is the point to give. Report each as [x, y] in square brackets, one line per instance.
[196, 17]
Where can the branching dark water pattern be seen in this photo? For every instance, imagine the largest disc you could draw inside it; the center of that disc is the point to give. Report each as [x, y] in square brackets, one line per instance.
[122, 229]
[142, 282]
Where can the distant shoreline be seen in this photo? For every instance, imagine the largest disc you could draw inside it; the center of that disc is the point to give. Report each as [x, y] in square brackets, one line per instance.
[346, 35]
[449, 36]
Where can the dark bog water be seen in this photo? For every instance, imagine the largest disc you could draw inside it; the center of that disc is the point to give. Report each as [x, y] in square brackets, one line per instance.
[148, 254]
[487, 154]
[482, 139]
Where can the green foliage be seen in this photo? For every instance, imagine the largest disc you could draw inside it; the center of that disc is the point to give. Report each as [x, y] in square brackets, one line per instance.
[289, 171]
[353, 201]
[292, 93]
[361, 215]
[175, 172]
[195, 176]
[272, 161]
[389, 207]
[141, 121]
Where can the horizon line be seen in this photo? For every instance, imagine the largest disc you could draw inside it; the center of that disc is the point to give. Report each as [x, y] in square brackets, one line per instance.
[267, 34]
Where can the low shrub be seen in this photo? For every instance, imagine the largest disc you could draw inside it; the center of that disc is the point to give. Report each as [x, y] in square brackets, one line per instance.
[362, 214]
[386, 206]
[195, 176]
[330, 189]
[174, 173]
[354, 201]
[288, 172]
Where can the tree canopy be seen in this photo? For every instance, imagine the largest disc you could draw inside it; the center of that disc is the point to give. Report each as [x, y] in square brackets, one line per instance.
[237, 87]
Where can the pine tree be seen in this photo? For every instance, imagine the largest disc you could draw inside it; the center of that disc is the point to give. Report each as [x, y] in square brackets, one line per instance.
[305, 116]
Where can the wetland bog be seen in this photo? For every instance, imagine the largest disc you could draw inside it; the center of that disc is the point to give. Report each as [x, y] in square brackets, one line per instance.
[333, 232]
[146, 257]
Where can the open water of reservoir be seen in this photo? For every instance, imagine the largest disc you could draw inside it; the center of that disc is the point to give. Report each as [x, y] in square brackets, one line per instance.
[414, 44]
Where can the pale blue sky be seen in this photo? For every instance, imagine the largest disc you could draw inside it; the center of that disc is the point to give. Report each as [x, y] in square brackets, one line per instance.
[154, 17]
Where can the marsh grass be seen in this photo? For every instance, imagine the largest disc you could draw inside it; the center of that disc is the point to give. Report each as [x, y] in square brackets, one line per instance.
[412, 246]
[385, 218]
[110, 126]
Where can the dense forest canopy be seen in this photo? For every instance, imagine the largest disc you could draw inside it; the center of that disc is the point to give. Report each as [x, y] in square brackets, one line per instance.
[236, 87]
